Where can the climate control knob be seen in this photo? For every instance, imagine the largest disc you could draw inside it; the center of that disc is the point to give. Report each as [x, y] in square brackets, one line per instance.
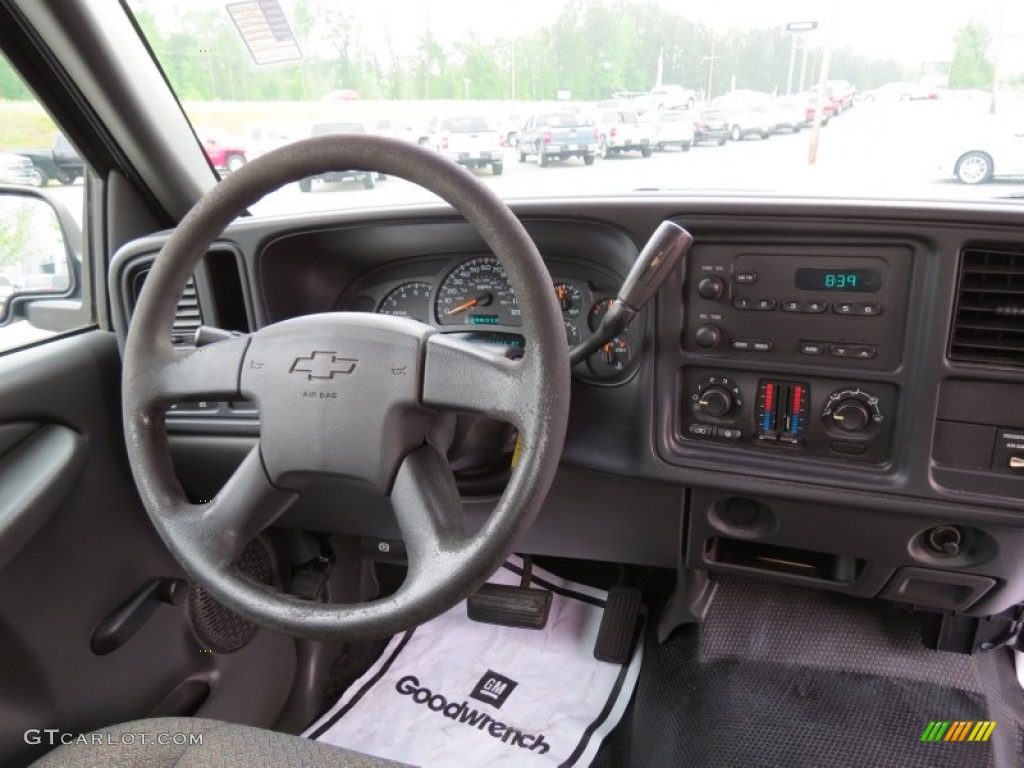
[708, 336]
[710, 288]
[715, 401]
[851, 416]
[852, 410]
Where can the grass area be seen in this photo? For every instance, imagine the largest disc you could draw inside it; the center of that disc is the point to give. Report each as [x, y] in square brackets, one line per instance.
[25, 125]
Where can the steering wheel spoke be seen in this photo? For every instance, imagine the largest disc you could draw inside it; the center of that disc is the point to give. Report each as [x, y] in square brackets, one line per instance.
[210, 372]
[428, 508]
[476, 378]
[243, 508]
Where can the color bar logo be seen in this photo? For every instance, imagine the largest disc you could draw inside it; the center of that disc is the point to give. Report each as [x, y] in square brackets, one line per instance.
[958, 730]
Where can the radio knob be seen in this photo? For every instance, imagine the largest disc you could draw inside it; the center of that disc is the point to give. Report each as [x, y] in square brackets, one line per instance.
[851, 415]
[715, 401]
[708, 336]
[710, 288]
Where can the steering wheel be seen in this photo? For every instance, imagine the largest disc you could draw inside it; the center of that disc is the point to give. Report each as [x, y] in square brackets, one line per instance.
[348, 394]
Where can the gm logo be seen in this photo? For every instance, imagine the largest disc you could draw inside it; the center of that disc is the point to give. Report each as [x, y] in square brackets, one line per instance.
[493, 689]
[958, 730]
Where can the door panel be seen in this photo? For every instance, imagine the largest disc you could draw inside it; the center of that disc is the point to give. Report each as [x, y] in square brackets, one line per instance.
[80, 545]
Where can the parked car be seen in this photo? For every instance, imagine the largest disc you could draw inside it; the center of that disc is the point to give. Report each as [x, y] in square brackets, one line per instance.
[368, 178]
[223, 151]
[842, 93]
[404, 128]
[749, 113]
[470, 140]
[59, 162]
[620, 130]
[709, 124]
[667, 97]
[828, 107]
[17, 169]
[557, 136]
[261, 138]
[789, 113]
[901, 91]
[992, 149]
[673, 128]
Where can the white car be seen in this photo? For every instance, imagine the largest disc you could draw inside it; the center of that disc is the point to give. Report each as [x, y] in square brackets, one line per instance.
[901, 91]
[15, 169]
[673, 127]
[749, 113]
[995, 149]
[667, 97]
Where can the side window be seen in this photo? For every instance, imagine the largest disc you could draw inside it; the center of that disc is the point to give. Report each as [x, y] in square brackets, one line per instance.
[42, 196]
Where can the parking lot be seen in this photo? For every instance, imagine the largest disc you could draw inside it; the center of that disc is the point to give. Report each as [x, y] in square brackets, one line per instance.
[888, 150]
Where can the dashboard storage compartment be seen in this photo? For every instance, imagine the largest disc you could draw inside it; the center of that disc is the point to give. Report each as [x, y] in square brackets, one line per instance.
[757, 556]
[943, 590]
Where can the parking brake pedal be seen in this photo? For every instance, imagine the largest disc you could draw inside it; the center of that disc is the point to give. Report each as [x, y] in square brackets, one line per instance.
[509, 606]
[618, 625]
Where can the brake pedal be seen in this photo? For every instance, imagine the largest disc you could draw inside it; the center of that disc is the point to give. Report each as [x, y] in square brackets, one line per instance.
[618, 625]
[523, 607]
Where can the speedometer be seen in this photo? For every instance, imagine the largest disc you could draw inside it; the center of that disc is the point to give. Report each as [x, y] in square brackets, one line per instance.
[477, 292]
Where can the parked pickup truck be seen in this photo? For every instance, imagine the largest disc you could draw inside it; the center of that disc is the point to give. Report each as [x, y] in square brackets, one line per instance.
[557, 136]
[59, 162]
[469, 140]
[620, 130]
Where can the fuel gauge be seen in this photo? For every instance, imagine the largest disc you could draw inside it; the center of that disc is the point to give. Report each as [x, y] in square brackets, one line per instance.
[611, 359]
[569, 299]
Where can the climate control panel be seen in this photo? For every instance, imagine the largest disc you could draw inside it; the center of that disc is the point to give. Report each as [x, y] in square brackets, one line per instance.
[815, 416]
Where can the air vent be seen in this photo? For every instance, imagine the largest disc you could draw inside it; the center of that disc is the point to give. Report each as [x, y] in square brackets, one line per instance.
[989, 323]
[187, 315]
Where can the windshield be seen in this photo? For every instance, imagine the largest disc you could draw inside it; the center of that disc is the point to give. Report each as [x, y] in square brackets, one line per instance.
[790, 98]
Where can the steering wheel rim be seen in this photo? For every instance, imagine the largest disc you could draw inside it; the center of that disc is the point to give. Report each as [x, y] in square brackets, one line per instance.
[388, 372]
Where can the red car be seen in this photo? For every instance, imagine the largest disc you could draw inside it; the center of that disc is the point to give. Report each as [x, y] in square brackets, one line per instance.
[828, 108]
[223, 153]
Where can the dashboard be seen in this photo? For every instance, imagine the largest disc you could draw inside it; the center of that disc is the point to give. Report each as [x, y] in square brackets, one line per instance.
[823, 393]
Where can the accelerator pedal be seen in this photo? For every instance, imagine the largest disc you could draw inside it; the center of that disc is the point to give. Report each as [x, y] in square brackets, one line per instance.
[618, 625]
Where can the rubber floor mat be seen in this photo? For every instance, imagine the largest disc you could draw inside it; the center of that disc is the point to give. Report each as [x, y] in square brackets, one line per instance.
[784, 677]
[453, 692]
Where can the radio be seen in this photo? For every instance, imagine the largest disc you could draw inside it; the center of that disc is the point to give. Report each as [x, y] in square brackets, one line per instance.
[835, 304]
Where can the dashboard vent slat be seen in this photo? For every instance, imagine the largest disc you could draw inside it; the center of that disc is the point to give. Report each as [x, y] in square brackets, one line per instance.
[989, 323]
[188, 315]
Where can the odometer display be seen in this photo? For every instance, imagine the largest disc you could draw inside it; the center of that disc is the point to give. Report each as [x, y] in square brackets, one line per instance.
[477, 293]
[839, 280]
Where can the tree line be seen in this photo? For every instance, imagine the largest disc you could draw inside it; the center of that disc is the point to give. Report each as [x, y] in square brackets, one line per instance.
[592, 50]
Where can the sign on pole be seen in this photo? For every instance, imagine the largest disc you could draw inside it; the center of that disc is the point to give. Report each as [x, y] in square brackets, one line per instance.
[801, 26]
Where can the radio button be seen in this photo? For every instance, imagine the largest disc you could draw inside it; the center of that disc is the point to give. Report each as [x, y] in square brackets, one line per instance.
[741, 302]
[863, 353]
[816, 306]
[745, 278]
[870, 309]
[812, 348]
[839, 350]
[762, 346]
[742, 345]
[765, 304]
[844, 308]
[858, 308]
[792, 305]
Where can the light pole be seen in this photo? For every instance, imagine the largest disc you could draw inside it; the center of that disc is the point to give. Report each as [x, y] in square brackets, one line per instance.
[711, 64]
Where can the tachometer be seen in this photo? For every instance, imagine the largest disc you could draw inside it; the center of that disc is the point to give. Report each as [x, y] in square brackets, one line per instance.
[477, 292]
[410, 300]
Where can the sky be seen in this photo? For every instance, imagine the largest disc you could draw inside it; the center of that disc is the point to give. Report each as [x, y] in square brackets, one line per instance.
[910, 30]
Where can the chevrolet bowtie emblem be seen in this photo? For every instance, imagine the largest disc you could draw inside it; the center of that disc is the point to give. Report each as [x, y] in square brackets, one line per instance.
[323, 366]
